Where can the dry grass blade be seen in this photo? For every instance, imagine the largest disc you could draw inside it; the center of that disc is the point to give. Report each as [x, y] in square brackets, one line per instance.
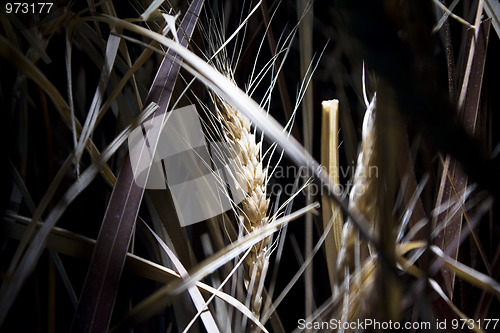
[453, 180]
[460, 314]
[241, 102]
[473, 91]
[445, 16]
[492, 8]
[21, 265]
[98, 295]
[407, 180]
[305, 14]
[411, 192]
[32, 208]
[151, 10]
[470, 56]
[198, 300]
[11, 287]
[162, 204]
[145, 55]
[11, 54]
[229, 276]
[37, 214]
[111, 51]
[476, 277]
[75, 245]
[465, 272]
[69, 78]
[269, 312]
[448, 12]
[282, 86]
[37, 45]
[164, 296]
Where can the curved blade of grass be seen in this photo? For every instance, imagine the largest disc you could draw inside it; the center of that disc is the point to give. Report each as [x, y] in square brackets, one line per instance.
[44, 202]
[12, 286]
[440, 292]
[492, 8]
[161, 202]
[99, 291]
[153, 7]
[453, 179]
[164, 296]
[302, 269]
[198, 300]
[412, 190]
[470, 58]
[415, 271]
[78, 246]
[282, 86]
[34, 43]
[111, 51]
[449, 13]
[11, 54]
[467, 273]
[123, 81]
[225, 314]
[31, 206]
[69, 79]
[305, 14]
[244, 104]
[445, 16]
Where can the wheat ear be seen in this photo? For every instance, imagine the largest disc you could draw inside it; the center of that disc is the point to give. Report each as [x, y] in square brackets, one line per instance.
[251, 175]
[354, 252]
[363, 192]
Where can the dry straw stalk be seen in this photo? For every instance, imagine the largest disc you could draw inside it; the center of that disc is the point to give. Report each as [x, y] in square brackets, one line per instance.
[330, 160]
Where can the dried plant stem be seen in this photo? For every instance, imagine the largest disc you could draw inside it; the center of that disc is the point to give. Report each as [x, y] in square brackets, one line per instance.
[330, 160]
